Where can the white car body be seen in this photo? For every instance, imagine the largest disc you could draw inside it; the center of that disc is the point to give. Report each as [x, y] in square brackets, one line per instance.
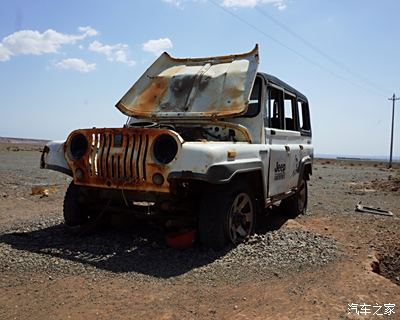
[220, 121]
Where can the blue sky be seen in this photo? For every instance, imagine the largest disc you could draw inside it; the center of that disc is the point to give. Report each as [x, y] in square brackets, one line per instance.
[64, 64]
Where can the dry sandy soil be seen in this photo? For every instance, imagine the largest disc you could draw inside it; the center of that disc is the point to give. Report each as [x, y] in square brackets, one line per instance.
[310, 267]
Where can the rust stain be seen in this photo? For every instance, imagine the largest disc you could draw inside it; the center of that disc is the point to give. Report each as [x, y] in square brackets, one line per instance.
[233, 93]
[236, 105]
[231, 154]
[119, 158]
[152, 95]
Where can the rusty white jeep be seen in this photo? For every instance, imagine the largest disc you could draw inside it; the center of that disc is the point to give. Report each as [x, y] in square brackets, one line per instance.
[209, 142]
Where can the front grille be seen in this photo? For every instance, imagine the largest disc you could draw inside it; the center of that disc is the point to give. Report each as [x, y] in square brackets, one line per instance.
[118, 156]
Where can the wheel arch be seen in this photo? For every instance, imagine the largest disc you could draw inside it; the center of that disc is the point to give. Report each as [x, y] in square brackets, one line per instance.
[254, 179]
[305, 169]
[251, 172]
[219, 173]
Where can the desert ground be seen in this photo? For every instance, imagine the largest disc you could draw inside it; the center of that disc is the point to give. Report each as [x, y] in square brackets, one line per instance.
[330, 263]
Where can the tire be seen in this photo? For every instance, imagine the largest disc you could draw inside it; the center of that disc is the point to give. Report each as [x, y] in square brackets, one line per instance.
[296, 204]
[227, 214]
[79, 217]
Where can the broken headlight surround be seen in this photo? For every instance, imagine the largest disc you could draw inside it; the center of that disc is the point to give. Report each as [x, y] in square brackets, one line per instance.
[165, 148]
[78, 146]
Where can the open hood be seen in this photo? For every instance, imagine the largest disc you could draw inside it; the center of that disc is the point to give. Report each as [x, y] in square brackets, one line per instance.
[213, 87]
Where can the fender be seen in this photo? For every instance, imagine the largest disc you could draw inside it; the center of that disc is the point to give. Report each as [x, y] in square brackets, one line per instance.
[53, 158]
[219, 173]
[306, 161]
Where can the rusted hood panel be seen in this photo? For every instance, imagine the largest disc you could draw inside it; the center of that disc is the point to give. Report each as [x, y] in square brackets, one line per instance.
[213, 87]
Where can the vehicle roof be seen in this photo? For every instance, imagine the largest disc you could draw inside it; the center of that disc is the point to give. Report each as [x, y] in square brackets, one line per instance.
[272, 79]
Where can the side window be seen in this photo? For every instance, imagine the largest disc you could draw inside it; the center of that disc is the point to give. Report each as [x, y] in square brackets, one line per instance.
[290, 112]
[304, 116]
[275, 107]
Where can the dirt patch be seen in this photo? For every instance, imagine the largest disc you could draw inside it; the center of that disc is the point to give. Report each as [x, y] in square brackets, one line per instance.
[387, 262]
[390, 184]
[390, 265]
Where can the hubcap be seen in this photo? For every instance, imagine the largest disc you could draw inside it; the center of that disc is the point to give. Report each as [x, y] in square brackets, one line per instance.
[241, 218]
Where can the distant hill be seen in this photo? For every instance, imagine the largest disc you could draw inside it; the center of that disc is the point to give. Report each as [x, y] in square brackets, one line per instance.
[356, 157]
[22, 141]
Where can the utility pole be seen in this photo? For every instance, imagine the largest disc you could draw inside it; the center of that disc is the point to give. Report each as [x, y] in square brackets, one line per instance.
[393, 98]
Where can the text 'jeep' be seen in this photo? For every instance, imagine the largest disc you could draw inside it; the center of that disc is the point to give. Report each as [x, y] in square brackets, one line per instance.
[209, 142]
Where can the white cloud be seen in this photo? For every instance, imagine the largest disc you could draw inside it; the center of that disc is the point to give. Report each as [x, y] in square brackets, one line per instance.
[5, 54]
[117, 52]
[280, 4]
[75, 64]
[157, 46]
[240, 3]
[26, 42]
[88, 31]
[174, 2]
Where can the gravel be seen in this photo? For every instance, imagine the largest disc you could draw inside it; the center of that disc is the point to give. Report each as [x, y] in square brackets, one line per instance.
[39, 243]
[45, 246]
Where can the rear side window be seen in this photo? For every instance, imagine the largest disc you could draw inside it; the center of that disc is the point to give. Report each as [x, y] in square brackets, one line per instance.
[283, 110]
[304, 117]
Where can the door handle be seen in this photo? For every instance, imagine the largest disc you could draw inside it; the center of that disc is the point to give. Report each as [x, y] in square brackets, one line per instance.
[287, 148]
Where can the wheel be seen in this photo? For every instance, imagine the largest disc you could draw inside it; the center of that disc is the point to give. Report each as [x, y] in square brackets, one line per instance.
[79, 217]
[227, 215]
[297, 203]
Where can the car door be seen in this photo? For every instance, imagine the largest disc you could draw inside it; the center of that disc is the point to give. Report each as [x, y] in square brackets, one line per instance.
[293, 140]
[276, 137]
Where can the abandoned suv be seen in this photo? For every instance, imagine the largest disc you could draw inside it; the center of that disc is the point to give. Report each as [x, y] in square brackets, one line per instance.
[208, 144]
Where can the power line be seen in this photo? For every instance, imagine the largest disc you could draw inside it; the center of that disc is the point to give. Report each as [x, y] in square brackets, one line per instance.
[291, 49]
[393, 98]
[321, 52]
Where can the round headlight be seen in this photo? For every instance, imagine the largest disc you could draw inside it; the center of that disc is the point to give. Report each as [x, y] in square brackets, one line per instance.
[165, 148]
[78, 146]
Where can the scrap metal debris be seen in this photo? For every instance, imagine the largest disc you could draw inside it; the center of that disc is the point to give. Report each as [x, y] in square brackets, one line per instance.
[42, 191]
[378, 211]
